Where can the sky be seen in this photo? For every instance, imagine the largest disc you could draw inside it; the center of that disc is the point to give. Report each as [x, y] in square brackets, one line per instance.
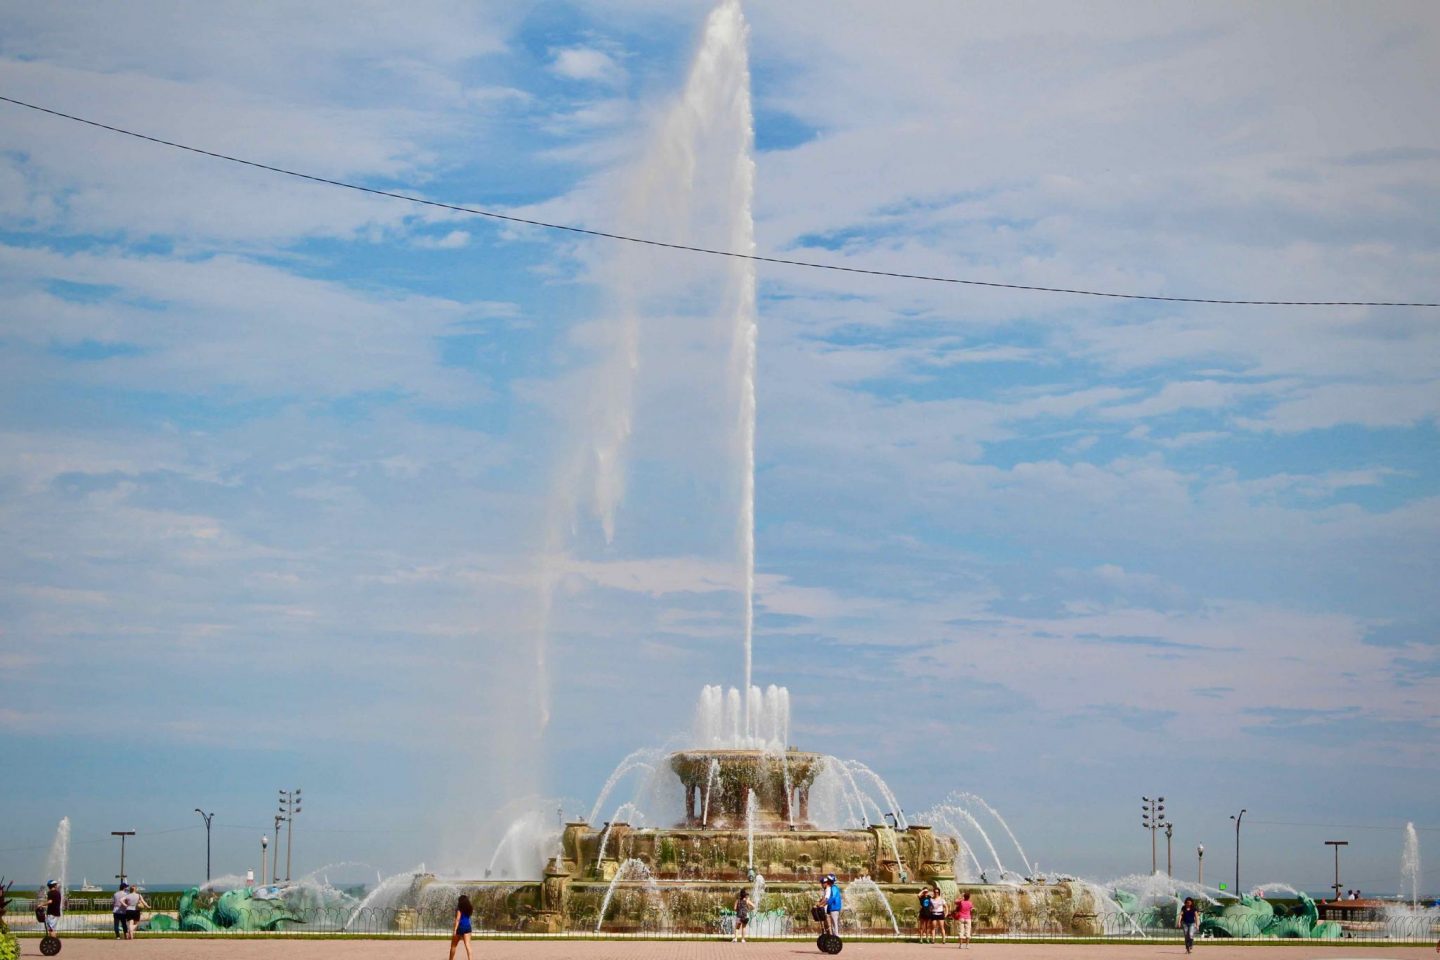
[287, 471]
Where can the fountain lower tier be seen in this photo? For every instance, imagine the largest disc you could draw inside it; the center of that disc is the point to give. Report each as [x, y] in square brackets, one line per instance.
[559, 904]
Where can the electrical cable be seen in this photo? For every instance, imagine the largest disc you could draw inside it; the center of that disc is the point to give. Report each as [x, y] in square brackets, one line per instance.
[709, 251]
[1346, 826]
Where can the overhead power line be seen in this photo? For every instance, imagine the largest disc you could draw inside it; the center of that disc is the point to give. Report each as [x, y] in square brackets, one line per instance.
[1344, 826]
[709, 251]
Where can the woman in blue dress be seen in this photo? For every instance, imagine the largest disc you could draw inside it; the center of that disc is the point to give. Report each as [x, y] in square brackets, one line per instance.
[461, 930]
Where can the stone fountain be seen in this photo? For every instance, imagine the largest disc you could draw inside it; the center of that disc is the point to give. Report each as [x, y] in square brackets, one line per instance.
[746, 821]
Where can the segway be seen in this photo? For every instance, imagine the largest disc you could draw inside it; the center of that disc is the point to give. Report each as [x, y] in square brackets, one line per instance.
[827, 941]
[49, 944]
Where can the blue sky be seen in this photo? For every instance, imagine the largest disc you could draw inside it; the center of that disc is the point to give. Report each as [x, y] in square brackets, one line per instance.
[276, 460]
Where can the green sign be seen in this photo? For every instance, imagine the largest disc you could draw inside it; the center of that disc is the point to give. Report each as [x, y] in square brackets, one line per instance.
[1222, 885]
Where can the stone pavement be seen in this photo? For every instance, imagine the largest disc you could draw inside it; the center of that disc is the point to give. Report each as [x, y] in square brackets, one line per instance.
[239, 948]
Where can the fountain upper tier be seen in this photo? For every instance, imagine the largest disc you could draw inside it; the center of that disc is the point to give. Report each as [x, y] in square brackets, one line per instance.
[719, 785]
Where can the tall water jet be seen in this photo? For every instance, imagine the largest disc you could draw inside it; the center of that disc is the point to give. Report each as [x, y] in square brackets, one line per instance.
[57, 861]
[1410, 865]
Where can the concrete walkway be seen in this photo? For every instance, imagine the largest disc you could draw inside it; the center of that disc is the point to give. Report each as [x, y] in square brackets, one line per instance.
[356, 949]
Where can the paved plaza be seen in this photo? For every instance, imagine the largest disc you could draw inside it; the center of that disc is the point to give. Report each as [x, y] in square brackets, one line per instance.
[358, 949]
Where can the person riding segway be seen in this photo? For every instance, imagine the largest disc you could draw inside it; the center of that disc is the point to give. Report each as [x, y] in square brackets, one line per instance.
[827, 911]
[48, 912]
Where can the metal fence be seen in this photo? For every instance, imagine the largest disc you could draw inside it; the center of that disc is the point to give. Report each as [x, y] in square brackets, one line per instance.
[1420, 927]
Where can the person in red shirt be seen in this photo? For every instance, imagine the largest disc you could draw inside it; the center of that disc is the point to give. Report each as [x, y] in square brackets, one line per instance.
[964, 920]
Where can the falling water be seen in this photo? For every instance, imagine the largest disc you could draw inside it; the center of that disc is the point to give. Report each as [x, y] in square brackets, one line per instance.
[643, 759]
[954, 810]
[940, 817]
[848, 779]
[750, 827]
[57, 862]
[865, 887]
[621, 812]
[1001, 820]
[709, 790]
[885, 792]
[1410, 865]
[629, 870]
[387, 893]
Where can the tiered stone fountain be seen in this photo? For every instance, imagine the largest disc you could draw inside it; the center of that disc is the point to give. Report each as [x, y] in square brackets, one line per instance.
[746, 824]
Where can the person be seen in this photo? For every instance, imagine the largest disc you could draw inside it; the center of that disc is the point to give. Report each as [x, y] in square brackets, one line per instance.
[833, 902]
[117, 908]
[923, 917]
[53, 907]
[964, 916]
[1189, 921]
[460, 932]
[937, 914]
[742, 916]
[134, 903]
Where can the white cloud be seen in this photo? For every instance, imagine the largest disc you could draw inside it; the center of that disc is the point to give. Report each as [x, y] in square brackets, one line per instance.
[587, 63]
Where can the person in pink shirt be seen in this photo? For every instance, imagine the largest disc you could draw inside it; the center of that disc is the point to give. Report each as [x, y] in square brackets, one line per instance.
[964, 917]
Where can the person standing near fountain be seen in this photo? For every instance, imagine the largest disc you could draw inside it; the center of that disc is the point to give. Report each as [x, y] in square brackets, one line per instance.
[924, 915]
[937, 914]
[964, 915]
[833, 902]
[461, 930]
[134, 905]
[117, 908]
[742, 916]
[1189, 920]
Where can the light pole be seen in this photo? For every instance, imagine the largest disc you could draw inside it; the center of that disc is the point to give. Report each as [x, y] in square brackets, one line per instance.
[1237, 818]
[1152, 818]
[275, 860]
[206, 817]
[264, 843]
[122, 834]
[1337, 844]
[289, 807]
[1169, 862]
[1200, 864]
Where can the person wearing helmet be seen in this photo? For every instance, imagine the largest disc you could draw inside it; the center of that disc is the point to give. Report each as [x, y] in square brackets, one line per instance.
[832, 901]
[53, 906]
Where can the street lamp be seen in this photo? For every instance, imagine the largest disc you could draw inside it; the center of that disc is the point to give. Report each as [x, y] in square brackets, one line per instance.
[264, 843]
[1237, 818]
[1152, 818]
[1337, 844]
[206, 817]
[122, 834]
[1200, 861]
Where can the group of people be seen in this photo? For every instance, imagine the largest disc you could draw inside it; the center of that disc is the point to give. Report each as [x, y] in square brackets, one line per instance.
[126, 907]
[935, 914]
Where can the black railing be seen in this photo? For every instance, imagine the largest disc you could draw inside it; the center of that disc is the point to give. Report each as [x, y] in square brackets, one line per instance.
[402, 922]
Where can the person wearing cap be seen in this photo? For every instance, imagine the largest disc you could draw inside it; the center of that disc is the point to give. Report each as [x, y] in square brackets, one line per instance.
[53, 906]
[118, 909]
[832, 901]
